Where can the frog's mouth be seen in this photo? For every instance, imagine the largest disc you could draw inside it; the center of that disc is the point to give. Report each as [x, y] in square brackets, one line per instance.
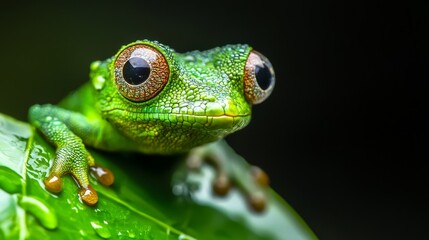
[227, 122]
[167, 133]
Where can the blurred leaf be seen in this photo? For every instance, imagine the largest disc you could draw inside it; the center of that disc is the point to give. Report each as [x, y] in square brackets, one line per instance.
[145, 202]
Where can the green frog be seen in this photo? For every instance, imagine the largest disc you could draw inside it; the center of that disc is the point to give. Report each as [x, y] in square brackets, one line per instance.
[150, 99]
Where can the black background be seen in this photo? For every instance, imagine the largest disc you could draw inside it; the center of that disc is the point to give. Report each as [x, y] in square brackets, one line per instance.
[344, 135]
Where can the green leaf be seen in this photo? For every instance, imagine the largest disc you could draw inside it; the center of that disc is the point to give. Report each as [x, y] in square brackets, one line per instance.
[150, 199]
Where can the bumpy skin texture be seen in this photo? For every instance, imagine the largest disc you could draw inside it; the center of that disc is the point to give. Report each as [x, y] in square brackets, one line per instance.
[202, 102]
[196, 98]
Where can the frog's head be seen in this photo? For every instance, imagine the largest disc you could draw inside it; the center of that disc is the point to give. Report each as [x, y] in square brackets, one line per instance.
[170, 102]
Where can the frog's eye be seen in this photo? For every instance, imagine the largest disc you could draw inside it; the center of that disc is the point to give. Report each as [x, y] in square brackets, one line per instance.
[259, 78]
[141, 72]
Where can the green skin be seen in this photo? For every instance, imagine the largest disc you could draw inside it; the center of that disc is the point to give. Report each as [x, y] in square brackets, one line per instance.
[202, 102]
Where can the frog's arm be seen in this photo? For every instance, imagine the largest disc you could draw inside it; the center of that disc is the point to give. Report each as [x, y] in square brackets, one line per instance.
[69, 131]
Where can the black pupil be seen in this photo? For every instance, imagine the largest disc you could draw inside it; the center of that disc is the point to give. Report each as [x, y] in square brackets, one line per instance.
[136, 70]
[263, 76]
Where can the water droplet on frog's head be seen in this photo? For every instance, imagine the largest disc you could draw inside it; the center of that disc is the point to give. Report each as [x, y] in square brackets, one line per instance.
[101, 229]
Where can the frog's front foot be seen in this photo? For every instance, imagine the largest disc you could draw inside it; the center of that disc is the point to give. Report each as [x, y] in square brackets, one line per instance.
[75, 160]
[232, 170]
